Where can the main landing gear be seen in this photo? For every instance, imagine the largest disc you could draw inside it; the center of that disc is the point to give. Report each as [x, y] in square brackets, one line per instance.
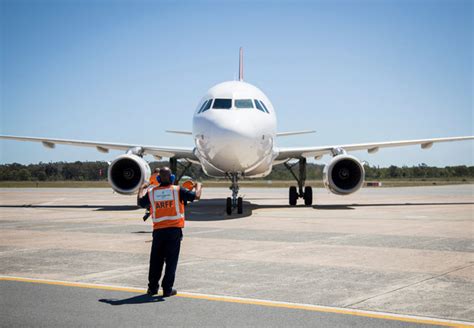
[305, 192]
[235, 201]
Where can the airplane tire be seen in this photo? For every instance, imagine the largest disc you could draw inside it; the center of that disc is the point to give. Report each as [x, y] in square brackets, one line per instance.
[228, 206]
[293, 196]
[308, 196]
[240, 205]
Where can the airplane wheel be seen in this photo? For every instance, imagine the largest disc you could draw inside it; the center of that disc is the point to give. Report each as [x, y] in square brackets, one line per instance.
[239, 205]
[228, 206]
[293, 196]
[308, 196]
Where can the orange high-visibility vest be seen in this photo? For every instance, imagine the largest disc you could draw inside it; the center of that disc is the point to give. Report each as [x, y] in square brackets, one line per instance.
[166, 209]
[154, 180]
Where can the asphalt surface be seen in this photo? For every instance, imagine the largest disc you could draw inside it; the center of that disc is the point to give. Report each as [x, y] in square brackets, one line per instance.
[406, 251]
[38, 305]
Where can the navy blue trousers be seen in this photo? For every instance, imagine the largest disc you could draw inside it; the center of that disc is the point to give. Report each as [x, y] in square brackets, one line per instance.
[164, 250]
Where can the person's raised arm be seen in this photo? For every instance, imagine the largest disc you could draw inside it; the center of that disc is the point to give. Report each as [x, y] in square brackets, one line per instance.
[142, 192]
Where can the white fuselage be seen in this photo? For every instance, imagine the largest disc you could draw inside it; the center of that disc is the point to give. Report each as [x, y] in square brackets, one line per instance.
[236, 134]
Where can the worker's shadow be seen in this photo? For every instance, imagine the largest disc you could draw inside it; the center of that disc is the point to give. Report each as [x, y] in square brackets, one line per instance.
[139, 299]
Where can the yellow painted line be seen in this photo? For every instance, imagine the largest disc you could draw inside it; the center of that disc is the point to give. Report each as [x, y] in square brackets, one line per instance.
[73, 284]
[327, 309]
[267, 303]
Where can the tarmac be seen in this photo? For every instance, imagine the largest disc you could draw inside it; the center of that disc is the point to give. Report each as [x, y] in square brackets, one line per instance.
[382, 257]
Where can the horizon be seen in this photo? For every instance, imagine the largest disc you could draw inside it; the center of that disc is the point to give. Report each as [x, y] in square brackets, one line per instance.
[166, 161]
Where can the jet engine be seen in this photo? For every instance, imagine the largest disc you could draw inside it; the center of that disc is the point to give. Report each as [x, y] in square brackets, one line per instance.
[127, 173]
[343, 175]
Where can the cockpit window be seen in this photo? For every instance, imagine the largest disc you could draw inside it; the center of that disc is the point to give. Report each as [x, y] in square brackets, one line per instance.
[259, 106]
[205, 106]
[202, 106]
[265, 107]
[220, 103]
[208, 105]
[243, 103]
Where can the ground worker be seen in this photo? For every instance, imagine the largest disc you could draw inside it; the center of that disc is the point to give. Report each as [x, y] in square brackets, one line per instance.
[167, 202]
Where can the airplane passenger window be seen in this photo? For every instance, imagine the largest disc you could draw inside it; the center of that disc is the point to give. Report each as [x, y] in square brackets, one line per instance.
[220, 103]
[265, 107]
[243, 103]
[208, 105]
[259, 106]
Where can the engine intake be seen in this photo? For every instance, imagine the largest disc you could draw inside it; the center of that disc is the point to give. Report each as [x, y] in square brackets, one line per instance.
[127, 172]
[344, 175]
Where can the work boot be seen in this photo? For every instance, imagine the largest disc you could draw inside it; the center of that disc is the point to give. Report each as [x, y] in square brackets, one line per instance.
[152, 291]
[169, 293]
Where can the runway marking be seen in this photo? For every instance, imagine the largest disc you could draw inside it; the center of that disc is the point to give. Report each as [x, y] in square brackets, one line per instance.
[249, 301]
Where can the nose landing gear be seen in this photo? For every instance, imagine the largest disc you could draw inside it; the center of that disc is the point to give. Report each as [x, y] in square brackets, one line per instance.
[305, 192]
[235, 201]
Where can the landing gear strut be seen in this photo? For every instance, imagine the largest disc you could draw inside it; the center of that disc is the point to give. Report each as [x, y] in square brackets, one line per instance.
[305, 192]
[235, 201]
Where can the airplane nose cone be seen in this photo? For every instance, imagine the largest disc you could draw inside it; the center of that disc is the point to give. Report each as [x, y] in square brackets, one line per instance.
[232, 145]
[235, 148]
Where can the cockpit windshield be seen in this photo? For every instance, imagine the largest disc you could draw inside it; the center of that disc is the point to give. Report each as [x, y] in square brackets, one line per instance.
[226, 103]
[243, 103]
[221, 103]
[259, 106]
[264, 107]
[205, 106]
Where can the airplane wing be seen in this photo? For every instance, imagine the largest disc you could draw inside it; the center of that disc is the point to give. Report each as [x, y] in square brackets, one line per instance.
[104, 147]
[371, 147]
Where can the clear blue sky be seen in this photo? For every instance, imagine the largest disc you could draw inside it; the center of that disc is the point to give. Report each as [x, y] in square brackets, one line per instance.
[124, 71]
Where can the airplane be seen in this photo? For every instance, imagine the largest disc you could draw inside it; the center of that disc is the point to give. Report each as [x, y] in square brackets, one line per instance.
[235, 133]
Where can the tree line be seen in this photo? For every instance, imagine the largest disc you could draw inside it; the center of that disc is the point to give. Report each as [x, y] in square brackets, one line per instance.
[96, 171]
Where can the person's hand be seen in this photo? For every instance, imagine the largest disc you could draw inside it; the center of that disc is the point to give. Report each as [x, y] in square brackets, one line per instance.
[198, 190]
[142, 190]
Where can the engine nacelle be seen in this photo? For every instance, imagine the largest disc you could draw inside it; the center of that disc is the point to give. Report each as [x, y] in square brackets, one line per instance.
[127, 173]
[343, 175]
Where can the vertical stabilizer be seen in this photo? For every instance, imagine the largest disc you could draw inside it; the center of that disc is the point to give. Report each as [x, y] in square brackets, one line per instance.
[241, 64]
